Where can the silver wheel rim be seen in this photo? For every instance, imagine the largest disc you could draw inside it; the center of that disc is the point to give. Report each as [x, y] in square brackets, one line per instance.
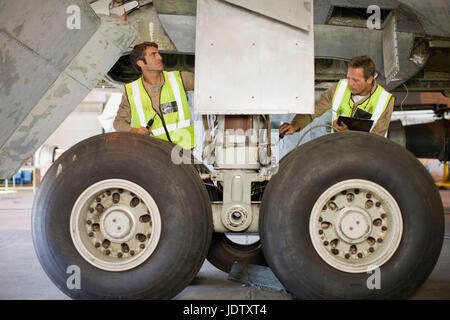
[115, 225]
[356, 226]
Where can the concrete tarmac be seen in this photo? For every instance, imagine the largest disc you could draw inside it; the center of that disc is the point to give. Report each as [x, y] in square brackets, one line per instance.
[22, 277]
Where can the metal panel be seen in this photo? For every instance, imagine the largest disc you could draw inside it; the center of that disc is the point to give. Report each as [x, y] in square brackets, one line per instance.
[390, 49]
[333, 42]
[181, 30]
[56, 75]
[247, 63]
[296, 13]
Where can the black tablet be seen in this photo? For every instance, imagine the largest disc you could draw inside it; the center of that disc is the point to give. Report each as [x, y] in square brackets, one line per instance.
[356, 123]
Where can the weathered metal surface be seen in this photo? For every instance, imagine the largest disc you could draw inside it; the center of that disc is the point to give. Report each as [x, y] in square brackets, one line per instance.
[432, 17]
[295, 13]
[330, 42]
[390, 49]
[181, 30]
[48, 69]
[149, 26]
[182, 7]
[247, 63]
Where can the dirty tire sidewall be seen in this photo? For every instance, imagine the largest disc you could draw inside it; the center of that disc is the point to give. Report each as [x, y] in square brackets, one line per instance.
[317, 165]
[181, 198]
[224, 252]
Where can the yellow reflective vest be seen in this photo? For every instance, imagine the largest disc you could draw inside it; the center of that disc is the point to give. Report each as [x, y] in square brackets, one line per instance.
[342, 104]
[174, 106]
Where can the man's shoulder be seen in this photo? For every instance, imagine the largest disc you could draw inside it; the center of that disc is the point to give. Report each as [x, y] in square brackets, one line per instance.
[131, 82]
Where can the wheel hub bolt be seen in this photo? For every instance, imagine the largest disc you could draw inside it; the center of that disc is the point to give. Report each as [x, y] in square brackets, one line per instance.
[347, 256]
[236, 215]
[371, 249]
[360, 255]
[335, 251]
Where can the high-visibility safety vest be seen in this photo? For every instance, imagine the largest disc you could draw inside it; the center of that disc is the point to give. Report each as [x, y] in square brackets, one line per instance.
[342, 103]
[174, 107]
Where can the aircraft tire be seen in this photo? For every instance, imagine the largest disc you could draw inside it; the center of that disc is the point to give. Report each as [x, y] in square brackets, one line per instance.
[351, 216]
[114, 218]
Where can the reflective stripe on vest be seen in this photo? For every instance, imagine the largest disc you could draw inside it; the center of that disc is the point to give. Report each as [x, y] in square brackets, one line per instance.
[377, 103]
[178, 123]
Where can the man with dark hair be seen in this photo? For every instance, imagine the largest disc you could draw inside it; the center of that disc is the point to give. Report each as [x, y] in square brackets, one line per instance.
[156, 103]
[356, 96]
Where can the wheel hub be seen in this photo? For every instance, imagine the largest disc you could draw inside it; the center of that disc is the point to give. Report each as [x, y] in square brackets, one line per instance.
[353, 225]
[115, 225]
[356, 226]
[118, 224]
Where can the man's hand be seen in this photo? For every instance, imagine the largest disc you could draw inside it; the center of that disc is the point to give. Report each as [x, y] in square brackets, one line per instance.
[141, 130]
[286, 129]
[339, 126]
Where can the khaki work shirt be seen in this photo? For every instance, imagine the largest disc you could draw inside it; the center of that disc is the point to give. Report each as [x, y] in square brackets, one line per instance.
[122, 122]
[325, 102]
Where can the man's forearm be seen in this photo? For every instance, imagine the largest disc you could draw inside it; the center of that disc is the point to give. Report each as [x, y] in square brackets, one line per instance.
[320, 107]
[121, 126]
[122, 122]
